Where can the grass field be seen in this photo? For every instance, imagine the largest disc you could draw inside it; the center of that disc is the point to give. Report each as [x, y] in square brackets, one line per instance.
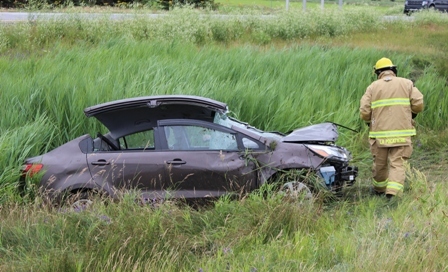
[299, 68]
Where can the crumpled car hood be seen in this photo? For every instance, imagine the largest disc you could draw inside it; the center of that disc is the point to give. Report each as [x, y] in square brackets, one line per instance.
[324, 132]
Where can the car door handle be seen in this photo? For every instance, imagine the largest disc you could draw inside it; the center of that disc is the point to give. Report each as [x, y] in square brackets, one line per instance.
[100, 162]
[176, 161]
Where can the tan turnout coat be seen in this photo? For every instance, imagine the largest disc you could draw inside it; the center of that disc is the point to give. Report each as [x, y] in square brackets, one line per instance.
[387, 105]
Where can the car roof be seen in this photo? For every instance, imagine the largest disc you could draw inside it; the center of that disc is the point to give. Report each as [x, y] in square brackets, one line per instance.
[126, 116]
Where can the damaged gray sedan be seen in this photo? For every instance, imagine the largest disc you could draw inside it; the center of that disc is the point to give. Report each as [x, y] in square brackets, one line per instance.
[180, 146]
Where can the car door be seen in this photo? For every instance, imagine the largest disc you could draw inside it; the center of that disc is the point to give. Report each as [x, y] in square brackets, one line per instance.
[136, 165]
[204, 159]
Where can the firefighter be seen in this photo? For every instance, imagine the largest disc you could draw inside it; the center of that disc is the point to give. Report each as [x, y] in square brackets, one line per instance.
[389, 106]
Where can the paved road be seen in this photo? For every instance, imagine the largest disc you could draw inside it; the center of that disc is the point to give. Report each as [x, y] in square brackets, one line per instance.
[30, 16]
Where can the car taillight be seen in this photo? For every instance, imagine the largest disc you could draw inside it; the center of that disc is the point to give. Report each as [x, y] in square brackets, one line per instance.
[30, 169]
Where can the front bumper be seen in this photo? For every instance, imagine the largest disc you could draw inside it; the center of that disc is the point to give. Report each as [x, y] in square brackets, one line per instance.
[409, 10]
[349, 174]
[336, 178]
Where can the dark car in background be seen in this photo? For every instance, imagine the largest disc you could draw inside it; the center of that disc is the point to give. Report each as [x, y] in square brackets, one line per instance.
[187, 147]
[417, 5]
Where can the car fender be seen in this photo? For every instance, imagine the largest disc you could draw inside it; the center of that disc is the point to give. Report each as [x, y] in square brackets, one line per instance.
[285, 161]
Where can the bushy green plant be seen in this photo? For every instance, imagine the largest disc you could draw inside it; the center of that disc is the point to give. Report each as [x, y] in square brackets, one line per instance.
[259, 232]
[187, 24]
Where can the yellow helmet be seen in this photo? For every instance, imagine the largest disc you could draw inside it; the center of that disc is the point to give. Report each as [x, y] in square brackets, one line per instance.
[383, 63]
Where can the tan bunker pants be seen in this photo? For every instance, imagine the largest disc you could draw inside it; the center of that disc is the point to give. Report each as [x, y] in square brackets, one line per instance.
[388, 167]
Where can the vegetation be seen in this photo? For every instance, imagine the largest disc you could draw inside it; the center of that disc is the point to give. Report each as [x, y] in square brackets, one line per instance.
[122, 4]
[277, 72]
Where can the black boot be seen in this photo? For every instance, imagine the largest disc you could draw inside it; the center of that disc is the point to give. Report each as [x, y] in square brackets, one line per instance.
[392, 200]
[375, 192]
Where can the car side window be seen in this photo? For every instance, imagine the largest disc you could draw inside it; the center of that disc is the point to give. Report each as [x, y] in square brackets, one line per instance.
[191, 137]
[143, 140]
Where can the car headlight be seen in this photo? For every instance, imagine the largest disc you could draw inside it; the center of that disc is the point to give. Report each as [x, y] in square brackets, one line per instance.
[330, 152]
[424, 3]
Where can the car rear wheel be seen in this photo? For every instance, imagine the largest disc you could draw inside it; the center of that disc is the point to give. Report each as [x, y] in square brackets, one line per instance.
[80, 201]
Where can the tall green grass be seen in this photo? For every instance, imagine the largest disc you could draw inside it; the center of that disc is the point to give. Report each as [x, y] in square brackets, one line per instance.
[261, 232]
[275, 73]
[274, 89]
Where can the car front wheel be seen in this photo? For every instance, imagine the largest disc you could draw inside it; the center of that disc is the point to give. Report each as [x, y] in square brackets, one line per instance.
[297, 191]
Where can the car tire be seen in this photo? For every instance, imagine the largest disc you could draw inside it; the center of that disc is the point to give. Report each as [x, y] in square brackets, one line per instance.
[80, 201]
[297, 191]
